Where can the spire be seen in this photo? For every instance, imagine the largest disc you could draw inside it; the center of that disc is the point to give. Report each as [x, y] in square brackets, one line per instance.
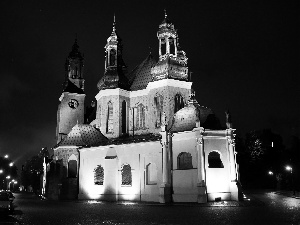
[165, 13]
[114, 26]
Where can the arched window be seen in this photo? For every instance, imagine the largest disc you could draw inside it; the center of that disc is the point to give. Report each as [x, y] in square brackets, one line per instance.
[110, 121]
[214, 160]
[98, 175]
[179, 103]
[140, 117]
[163, 46]
[72, 166]
[124, 110]
[184, 161]
[112, 57]
[151, 174]
[158, 110]
[126, 175]
[172, 46]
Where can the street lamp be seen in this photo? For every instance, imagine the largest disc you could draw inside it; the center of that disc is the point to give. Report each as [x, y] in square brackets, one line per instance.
[289, 168]
[270, 173]
[6, 156]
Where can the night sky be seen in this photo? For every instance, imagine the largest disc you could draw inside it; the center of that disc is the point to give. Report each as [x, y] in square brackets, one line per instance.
[244, 56]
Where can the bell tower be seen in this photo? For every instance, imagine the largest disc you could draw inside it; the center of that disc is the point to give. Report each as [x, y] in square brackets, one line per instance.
[71, 107]
[113, 98]
[115, 68]
[170, 88]
[172, 59]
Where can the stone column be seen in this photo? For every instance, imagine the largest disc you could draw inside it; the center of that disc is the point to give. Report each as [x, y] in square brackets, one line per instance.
[159, 49]
[168, 46]
[233, 179]
[165, 189]
[201, 186]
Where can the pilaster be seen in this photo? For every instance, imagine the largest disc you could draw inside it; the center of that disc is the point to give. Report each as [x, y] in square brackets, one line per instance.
[201, 185]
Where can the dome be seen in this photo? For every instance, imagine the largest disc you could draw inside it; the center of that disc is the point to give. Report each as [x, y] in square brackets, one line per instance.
[84, 135]
[185, 119]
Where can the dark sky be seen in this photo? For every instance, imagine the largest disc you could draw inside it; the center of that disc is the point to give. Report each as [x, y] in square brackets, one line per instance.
[244, 56]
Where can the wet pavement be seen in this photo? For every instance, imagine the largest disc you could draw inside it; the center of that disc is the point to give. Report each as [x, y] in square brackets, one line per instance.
[258, 208]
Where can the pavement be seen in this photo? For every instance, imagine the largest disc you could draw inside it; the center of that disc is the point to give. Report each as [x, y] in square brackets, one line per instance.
[289, 193]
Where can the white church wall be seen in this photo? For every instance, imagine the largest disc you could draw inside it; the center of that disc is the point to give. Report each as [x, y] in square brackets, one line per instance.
[184, 180]
[217, 179]
[136, 155]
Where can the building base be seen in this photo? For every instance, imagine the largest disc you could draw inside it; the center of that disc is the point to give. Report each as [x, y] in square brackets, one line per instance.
[202, 196]
[165, 194]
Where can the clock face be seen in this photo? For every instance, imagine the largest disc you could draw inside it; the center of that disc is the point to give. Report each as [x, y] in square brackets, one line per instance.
[73, 103]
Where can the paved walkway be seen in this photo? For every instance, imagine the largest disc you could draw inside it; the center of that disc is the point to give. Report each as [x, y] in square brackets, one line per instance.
[289, 193]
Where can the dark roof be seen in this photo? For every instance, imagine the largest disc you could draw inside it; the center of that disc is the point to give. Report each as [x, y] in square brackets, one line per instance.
[72, 88]
[140, 76]
[83, 135]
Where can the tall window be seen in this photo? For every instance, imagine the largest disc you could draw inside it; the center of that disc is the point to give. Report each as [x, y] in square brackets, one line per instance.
[110, 121]
[172, 46]
[158, 109]
[214, 160]
[179, 103]
[163, 47]
[112, 57]
[184, 161]
[72, 168]
[151, 173]
[99, 175]
[140, 117]
[126, 175]
[124, 109]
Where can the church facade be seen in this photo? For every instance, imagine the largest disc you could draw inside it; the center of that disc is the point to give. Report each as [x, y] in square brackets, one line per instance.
[150, 140]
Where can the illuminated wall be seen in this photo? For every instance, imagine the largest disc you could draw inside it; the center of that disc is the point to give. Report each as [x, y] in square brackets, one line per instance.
[112, 158]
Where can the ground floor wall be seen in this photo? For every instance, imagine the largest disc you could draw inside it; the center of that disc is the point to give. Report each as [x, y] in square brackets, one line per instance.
[135, 171]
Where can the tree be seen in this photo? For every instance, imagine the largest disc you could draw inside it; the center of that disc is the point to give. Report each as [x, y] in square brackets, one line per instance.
[263, 151]
[33, 169]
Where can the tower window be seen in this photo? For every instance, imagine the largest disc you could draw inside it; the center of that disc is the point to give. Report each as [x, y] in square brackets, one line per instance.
[163, 46]
[110, 121]
[158, 110]
[179, 103]
[124, 117]
[112, 57]
[214, 160]
[126, 175]
[184, 161]
[172, 46]
[140, 117]
[98, 175]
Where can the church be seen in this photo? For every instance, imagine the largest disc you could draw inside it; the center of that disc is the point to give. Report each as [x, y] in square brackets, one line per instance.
[145, 138]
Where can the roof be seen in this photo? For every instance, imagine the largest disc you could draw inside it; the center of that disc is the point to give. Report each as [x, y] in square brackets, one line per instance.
[185, 119]
[83, 135]
[140, 76]
[72, 88]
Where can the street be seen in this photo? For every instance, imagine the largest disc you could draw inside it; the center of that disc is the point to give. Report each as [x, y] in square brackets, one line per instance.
[263, 208]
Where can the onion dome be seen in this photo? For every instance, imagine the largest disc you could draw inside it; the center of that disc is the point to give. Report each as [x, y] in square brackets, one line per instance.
[83, 135]
[166, 26]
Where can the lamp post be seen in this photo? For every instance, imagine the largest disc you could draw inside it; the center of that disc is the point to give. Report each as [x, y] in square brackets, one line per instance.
[289, 168]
